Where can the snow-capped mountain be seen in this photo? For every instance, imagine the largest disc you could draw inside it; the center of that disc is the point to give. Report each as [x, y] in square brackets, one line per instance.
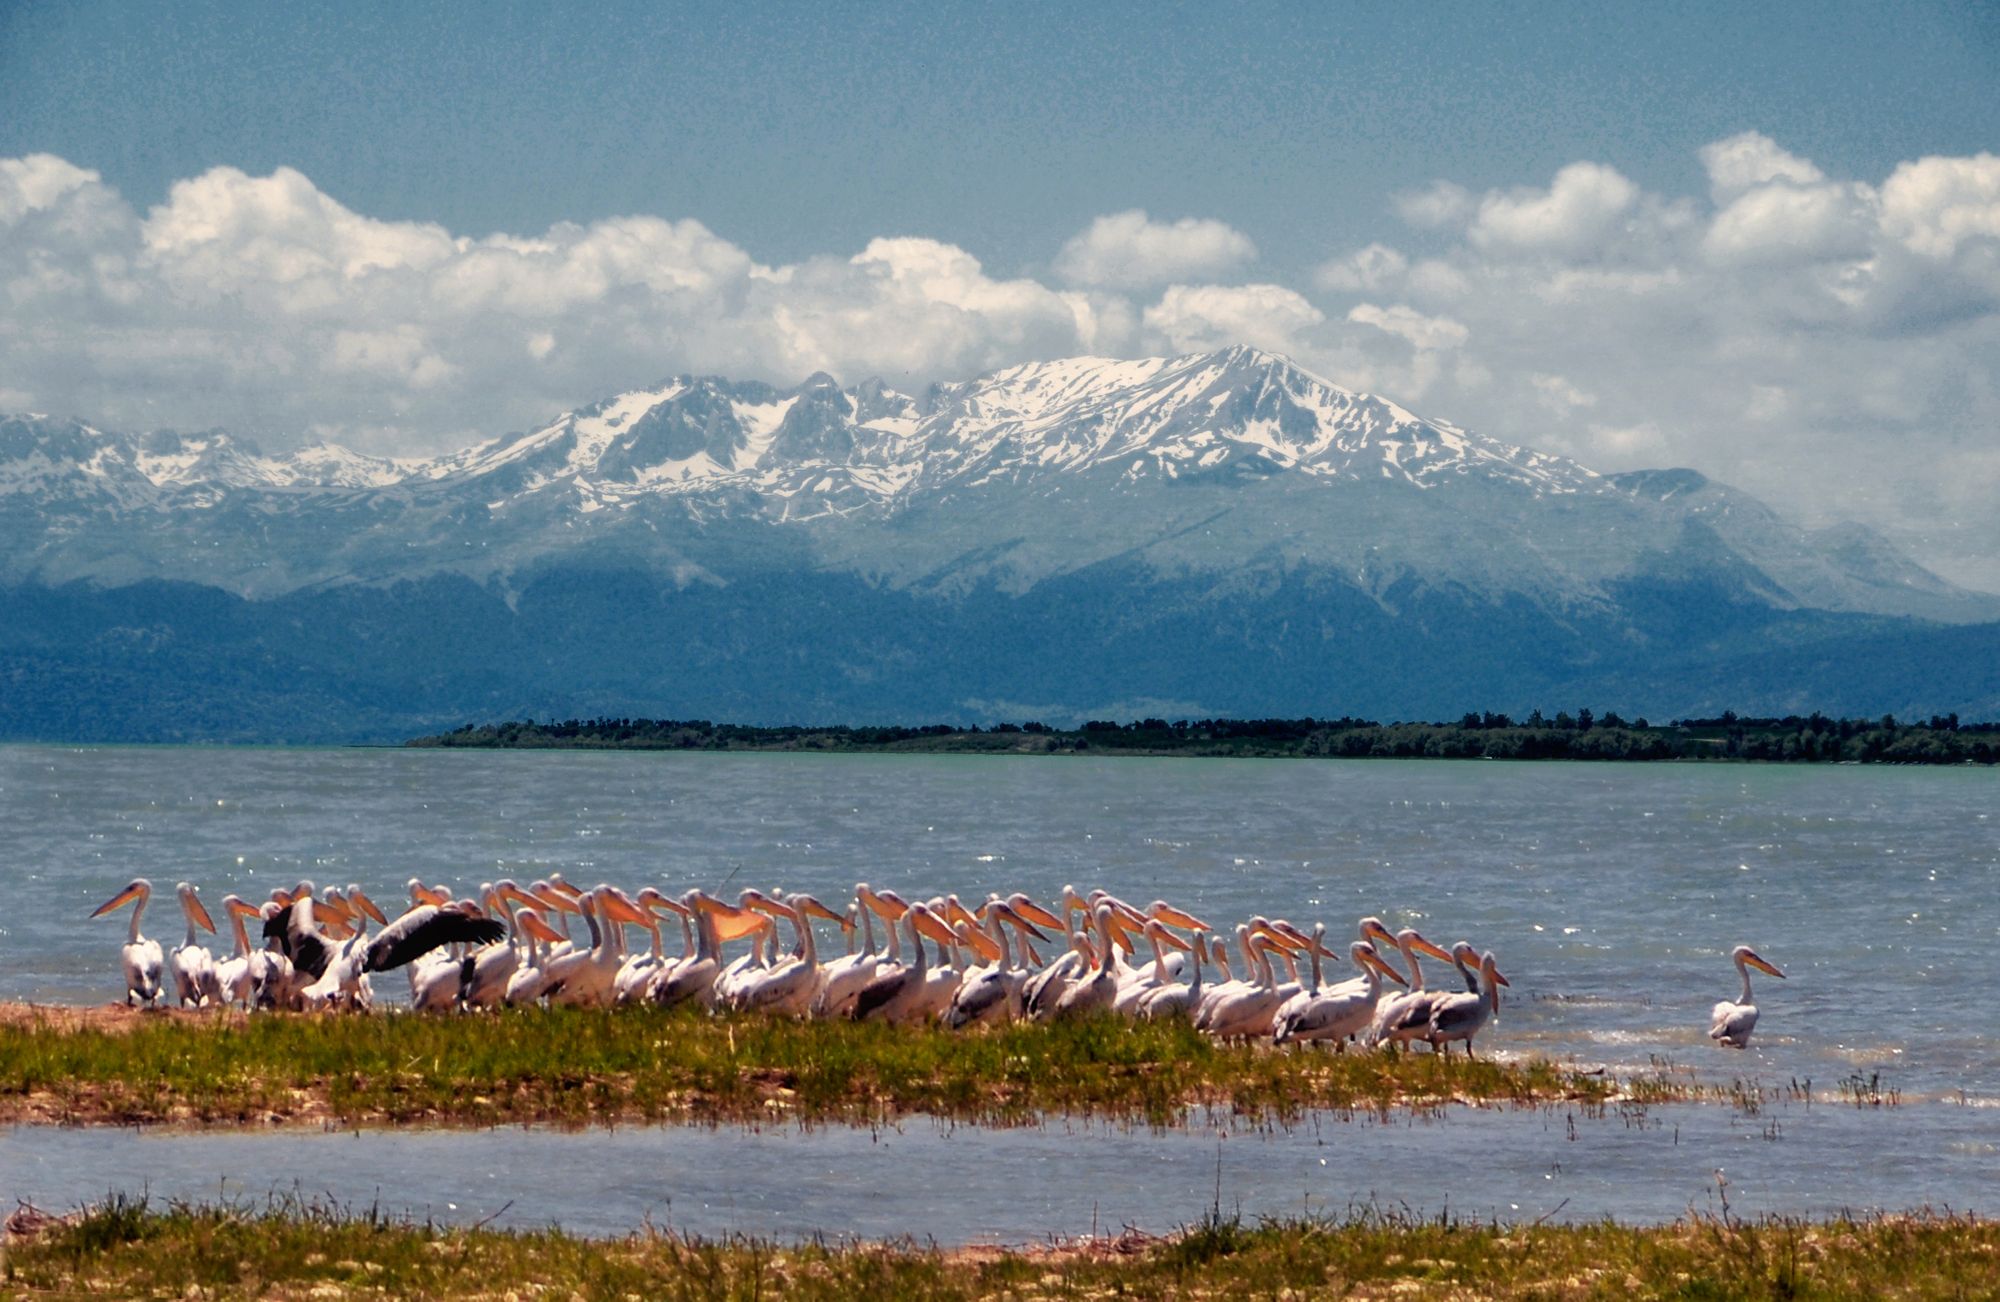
[1226, 531]
[1206, 463]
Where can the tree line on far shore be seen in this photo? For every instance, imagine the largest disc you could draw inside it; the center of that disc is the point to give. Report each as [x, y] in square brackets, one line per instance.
[1584, 735]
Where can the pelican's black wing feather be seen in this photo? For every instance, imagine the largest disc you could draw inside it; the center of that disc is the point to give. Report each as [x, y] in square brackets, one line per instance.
[424, 929]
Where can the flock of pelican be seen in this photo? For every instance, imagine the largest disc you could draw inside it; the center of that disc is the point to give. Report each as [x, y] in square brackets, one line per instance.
[552, 942]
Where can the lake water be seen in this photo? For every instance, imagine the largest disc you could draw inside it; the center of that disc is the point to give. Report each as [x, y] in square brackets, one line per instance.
[1611, 893]
[963, 1184]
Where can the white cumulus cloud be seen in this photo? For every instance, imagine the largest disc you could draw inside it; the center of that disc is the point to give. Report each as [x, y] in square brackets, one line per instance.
[1129, 250]
[1829, 342]
[1195, 318]
[1574, 214]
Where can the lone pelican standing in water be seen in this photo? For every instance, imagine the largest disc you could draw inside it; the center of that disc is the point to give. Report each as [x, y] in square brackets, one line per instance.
[1732, 1021]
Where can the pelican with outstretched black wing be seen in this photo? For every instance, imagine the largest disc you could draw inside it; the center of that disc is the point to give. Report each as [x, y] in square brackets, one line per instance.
[428, 927]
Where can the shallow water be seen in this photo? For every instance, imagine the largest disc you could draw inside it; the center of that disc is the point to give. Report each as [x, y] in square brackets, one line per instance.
[964, 1184]
[1612, 894]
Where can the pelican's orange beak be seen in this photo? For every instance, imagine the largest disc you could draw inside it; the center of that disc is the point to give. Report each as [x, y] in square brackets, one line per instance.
[955, 913]
[813, 908]
[1035, 913]
[928, 925]
[360, 900]
[1762, 966]
[621, 907]
[512, 892]
[121, 899]
[531, 922]
[1174, 917]
[980, 943]
[242, 908]
[551, 898]
[1276, 937]
[1422, 946]
[1020, 922]
[1375, 961]
[200, 913]
[732, 923]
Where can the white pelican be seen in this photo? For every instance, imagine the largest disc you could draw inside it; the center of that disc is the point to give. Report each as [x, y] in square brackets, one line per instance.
[1145, 980]
[1460, 1017]
[345, 981]
[190, 962]
[897, 995]
[1245, 1011]
[641, 971]
[234, 976]
[485, 980]
[1098, 992]
[1045, 989]
[694, 978]
[841, 980]
[1406, 1015]
[993, 994]
[1230, 984]
[736, 975]
[584, 977]
[787, 988]
[422, 930]
[1174, 1000]
[141, 957]
[527, 981]
[272, 981]
[1731, 1022]
[1335, 1012]
[945, 977]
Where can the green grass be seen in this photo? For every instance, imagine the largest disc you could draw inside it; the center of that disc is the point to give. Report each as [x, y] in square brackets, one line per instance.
[131, 1249]
[578, 1066]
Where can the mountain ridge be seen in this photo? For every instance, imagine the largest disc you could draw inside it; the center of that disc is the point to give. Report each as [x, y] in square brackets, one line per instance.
[706, 449]
[1213, 534]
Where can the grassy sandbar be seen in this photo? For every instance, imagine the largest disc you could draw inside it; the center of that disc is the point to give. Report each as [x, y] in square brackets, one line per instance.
[568, 1066]
[128, 1249]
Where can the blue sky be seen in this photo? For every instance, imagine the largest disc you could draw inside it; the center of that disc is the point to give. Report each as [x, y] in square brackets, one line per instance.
[1763, 241]
[1002, 128]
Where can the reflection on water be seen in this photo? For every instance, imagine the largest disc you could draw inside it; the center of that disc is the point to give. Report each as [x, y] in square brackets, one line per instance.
[964, 1184]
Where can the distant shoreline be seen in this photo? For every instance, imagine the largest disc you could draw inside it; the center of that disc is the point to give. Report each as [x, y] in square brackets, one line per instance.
[1811, 739]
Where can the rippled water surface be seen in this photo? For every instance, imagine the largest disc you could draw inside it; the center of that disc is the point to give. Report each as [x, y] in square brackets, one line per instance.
[963, 1184]
[1612, 893]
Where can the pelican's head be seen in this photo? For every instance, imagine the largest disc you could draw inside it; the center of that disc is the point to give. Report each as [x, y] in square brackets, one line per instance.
[1743, 955]
[1373, 930]
[810, 906]
[531, 922]
[359, 899]
[191, 905]
[1365, 957]
[957, 914]
[1410, 940]
[1033, 912]
[136, 889]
